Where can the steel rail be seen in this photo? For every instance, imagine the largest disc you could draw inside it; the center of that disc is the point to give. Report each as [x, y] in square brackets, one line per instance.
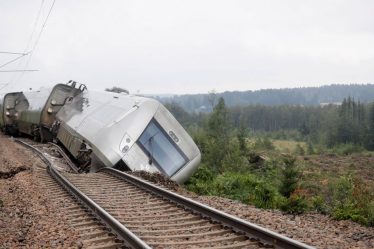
[265, 236]
[116, 227]
[66, 157]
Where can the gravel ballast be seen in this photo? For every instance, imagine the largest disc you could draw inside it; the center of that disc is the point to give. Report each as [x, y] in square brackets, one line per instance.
[313, 229]
[28, 219]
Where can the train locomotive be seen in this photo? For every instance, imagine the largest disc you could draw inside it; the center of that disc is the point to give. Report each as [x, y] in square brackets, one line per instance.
[103, 129]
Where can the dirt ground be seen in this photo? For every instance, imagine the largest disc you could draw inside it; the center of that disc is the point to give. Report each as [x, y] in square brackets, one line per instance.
[331, 165]
[27, 218]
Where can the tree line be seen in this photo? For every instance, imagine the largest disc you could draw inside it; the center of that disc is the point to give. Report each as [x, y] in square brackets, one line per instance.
[306, 96]
[352, 122]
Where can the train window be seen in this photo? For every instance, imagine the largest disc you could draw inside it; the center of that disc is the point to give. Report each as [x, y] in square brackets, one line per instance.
[161, 150]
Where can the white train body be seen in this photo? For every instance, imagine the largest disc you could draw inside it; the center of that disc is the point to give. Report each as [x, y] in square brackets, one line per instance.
[122, 129]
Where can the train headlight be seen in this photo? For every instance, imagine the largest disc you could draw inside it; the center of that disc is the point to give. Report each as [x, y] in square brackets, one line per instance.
[126, 143]
[125, 148]
[53, 102]
[49, 110]
[7, 113]
[16, 114]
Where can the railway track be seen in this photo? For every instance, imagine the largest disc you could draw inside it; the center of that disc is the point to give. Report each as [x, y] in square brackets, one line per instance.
[143, 215]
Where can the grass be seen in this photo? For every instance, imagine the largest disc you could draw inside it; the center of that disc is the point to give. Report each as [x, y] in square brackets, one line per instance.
[288, 146]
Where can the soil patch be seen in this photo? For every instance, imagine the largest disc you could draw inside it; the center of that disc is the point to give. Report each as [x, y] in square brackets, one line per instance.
[12, 172]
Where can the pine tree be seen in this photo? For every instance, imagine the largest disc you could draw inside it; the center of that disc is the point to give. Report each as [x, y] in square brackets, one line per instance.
[218, 132]
[290, 177]
[242, 135]
[370, 135]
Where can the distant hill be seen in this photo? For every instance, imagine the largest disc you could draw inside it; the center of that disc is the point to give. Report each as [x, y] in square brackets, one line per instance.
[307, 96]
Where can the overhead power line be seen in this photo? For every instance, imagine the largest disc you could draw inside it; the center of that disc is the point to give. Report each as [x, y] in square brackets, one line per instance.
[21, 70]
[3, 52]
[40, 33]
[26, 64]
[19, 57]
[34, 26]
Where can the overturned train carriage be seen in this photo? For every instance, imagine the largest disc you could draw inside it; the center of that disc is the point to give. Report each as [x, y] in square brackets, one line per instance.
[1, 112]
[10, 112]
[33, 113]
[127, 131]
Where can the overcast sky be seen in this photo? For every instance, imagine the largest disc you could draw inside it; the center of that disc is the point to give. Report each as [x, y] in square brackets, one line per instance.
[189, 46]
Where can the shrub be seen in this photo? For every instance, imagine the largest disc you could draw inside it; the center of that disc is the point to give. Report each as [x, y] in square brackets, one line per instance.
[295, 204]
[319, 205]
[235, 186]
[246, 188]
[234, 160]
[263, 144]
[290, 177]
[264, 196]
[351, 199]
[310, 148]
[347, 149]
[200, 182]
[299, 150]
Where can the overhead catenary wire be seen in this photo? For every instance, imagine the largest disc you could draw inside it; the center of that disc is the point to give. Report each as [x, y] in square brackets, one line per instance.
[18, 70]
[5, 52]
[34, 26]
[40, 34]
[17, 58]
[35, 43]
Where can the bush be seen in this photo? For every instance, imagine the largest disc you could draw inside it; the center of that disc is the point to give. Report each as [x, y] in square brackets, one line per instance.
[319, 205]
[234, 160]
[246, 188]
[299, 150]
[351, 199]
[263, 144]
[200, 181]
[290, 177]
[295, 204]
[264, 196]
[235, 186]
[310, 148]
[347, 149]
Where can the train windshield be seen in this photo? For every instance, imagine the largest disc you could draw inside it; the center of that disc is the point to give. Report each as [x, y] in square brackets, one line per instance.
[161, 150]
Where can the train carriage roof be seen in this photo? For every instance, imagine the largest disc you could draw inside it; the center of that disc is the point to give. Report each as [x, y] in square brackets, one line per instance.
[37, 99]
[102, 109]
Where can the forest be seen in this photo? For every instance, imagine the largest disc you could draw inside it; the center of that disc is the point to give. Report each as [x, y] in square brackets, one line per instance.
[328, 168]
[304, 96]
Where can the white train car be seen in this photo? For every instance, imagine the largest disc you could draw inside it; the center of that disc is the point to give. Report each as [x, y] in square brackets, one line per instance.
[127, 131]
[1, 111]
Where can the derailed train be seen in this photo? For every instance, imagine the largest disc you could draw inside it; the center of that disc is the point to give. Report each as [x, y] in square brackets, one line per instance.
[111, 129]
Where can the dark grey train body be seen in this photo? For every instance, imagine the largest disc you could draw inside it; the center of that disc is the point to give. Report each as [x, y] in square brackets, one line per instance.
[10, 112]
[33, 113]
[115, 130]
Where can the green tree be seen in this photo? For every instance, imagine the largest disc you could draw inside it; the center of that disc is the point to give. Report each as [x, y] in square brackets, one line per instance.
[179, 113]
[242, 135]
[370, 135]
[218, 133]
[290, 177]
